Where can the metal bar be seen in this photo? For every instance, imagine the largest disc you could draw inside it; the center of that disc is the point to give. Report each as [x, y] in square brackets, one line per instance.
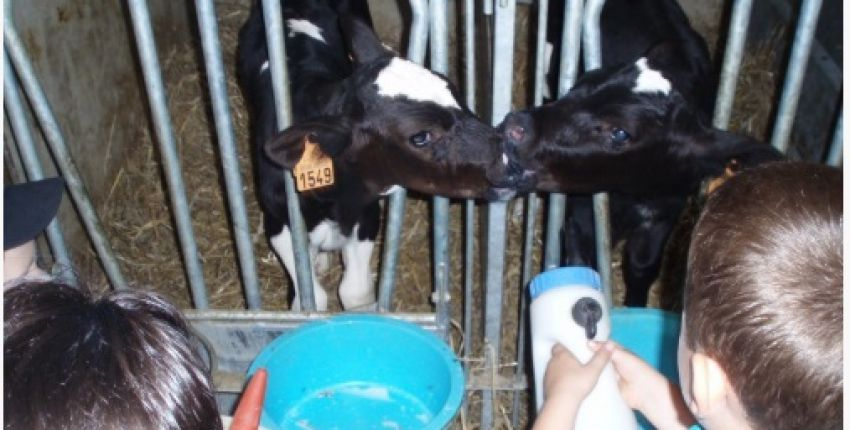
[11, 156]
[836, 149]
[441, 295]
[487, 7]
[522, 321]
[503, 57]
[737, 38]
[418, 31]
[208, 27]
[795, 73]
[540, 51]
[392, 239]
[140, 17]
[469, 204]
[469, 52]
[53, 137]
[570, 48]
[20, 127]
[440, 64]
[593, 60]
[468, 263]
[531, 209]
[395, 209]
[592, 38]
[273, 19]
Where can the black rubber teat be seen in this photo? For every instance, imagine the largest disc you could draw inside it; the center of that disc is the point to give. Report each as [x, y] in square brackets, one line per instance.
[586, 313]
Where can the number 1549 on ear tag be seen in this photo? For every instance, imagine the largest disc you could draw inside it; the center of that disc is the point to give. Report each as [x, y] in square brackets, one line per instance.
[314, 169]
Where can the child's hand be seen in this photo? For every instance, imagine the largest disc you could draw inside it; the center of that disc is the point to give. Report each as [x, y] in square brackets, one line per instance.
[565, 385]
[567, 378]
[648, 391]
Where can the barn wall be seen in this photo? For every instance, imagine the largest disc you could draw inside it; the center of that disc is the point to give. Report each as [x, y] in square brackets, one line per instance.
[83, 54]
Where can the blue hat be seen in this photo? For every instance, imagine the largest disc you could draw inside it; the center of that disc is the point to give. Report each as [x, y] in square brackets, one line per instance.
[573, 275]
[28, 208]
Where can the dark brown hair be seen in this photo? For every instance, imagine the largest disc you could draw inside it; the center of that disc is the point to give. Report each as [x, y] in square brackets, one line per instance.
[764, 292]
[122, 361]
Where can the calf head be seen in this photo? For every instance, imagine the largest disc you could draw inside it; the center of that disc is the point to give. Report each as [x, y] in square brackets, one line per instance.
[393, 122]
[626, 129]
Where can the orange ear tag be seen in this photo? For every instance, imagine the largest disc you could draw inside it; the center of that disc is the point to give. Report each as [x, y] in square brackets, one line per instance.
[314, 169]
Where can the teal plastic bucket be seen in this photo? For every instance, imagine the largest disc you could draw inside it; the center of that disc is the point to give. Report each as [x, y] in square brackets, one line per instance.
[359, 372]
[653, 335]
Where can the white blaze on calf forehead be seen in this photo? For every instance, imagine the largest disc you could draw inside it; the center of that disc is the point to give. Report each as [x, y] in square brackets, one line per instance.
[504, 159]
[649, 80]
[306, 28]
[406, 78]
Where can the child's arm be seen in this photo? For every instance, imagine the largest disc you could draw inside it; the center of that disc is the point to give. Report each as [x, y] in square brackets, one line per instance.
[566, 384]
[646, 390]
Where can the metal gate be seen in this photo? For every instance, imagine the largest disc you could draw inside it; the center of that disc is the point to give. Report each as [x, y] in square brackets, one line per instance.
[233, 338]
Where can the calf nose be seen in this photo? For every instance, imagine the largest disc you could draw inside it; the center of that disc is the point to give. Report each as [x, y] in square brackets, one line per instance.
[514, 174]
[515, 127]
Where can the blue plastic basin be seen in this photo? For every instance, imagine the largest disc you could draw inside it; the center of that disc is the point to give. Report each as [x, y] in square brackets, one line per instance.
[653, 335]
[359, 372]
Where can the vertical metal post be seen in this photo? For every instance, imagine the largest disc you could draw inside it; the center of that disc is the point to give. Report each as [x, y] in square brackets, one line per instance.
[395, 209]
[836, 149]
[19, 124]
[440, 64]
[503, 57]
[737, 37]
[469, 52]
[140, 17]
[795, 73]
[540, 51]
[208, 27]
[273, 20]
[570, 48]
[469, 204]
[392, 239]
[522, 323]
[53, 137]
[593, 60]
[531, 208]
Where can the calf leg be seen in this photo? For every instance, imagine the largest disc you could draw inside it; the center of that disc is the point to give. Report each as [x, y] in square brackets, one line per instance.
[282, 244]
[356, 290]
[579, 244]
[642, 259]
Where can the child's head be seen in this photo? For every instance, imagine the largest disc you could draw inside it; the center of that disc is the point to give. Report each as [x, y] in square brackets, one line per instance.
[122, 361]
[763, 300]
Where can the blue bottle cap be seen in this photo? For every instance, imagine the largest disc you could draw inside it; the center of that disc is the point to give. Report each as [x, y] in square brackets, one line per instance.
[561, 276]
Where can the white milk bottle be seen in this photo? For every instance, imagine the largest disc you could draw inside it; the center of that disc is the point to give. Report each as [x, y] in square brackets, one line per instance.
[567, 306]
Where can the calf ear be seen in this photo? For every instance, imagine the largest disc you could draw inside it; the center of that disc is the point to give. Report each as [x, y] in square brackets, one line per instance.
[662, 56]
[331, 134]
[362, 41]
[730, 149]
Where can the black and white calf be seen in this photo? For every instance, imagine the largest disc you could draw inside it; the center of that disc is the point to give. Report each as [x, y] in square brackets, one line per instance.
[382, 120]
[638, 130]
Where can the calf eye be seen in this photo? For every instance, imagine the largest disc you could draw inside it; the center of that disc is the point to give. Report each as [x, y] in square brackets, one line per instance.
[421, 139]
[618, 135]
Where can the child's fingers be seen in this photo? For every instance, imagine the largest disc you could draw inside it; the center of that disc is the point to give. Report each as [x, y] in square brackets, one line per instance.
[594, 345]
[601, 358]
